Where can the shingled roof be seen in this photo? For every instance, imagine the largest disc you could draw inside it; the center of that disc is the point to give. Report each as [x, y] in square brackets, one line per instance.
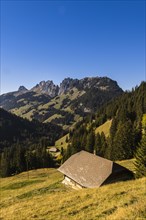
[89, 170]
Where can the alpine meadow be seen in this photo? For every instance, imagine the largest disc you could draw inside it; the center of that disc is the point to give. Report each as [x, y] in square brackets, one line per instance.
[73, 110]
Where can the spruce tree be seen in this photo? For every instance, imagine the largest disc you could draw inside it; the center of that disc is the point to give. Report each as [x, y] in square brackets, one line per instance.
[123, 143]
[5, 163]
[90, 142]
[140, 164]
[97, 145]
[103, 144]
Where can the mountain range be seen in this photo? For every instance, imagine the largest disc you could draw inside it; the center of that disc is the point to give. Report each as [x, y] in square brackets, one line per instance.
[25, 143]
[64, 104]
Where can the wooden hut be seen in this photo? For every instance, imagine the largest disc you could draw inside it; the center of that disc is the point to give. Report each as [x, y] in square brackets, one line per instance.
[86, 170]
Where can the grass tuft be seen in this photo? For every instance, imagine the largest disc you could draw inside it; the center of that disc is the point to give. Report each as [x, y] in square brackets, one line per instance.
[19, 185]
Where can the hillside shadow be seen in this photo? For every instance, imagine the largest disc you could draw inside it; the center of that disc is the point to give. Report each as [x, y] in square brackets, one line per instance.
[119, 173]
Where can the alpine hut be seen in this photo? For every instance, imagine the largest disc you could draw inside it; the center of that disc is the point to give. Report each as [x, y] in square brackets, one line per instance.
[86, 170]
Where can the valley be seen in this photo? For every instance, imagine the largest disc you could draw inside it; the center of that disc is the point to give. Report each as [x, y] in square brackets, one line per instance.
[31, 151]
[73, 110]
[113, 131]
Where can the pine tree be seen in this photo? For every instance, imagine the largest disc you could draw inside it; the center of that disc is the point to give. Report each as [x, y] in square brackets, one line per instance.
[84, 141]
[97, 145]
[103, 145]
[113, 128]
[90, 142]
[123, 143]
[5, 163]
[68, 153]
[140, 164]
[108, 152]
[20, 160]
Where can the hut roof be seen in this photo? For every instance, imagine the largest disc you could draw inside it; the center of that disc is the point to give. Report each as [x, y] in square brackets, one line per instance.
[87, 169]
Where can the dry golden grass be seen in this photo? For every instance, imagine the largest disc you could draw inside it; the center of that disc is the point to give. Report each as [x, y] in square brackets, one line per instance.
[44, 197]
[144, 120]
[24, 111]
[105, 128]
[129, 164]
[62, 142]
[53, 117]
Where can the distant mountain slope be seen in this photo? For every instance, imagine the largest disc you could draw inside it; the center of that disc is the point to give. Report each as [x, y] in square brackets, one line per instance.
[62, 105]
[23, 143]
[14, 129]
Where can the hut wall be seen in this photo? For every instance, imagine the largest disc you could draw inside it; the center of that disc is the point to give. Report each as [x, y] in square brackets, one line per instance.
[72, 183]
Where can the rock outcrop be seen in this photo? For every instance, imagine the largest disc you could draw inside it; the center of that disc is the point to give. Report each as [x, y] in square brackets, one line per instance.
[47, 87]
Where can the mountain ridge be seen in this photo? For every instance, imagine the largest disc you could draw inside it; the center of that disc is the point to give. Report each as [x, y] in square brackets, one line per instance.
[67, 83]
[64, 104]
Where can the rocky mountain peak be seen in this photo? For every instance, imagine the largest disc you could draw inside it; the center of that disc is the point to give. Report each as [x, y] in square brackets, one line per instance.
[85, 84]
[102, 83]
[22, 89]
[47, 87]
[67, 84]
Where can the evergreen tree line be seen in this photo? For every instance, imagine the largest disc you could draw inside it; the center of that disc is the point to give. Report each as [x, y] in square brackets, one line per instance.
[14, 129]
[140, 155]
[23, 144]
[19, 158]
[125, 133]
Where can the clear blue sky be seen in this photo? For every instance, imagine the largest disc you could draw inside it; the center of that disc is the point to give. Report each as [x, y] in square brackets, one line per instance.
[51, 40]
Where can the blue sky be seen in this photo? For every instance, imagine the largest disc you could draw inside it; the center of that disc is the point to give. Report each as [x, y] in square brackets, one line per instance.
[51, 40]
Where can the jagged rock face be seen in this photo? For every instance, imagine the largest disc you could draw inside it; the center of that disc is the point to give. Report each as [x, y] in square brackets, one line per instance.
[22, 89]
[102, 83]
[67, 84]
[47, 87]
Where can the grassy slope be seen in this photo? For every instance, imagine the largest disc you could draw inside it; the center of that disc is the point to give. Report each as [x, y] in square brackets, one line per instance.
[52, 117]
[143, 122]
[44, 197]
[104, 128]
[144, 119]
[62, 142]
[28, 110]
[129, 164]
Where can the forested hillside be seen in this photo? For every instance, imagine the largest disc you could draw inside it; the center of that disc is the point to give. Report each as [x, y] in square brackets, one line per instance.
[23, 143]
[126, 113]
